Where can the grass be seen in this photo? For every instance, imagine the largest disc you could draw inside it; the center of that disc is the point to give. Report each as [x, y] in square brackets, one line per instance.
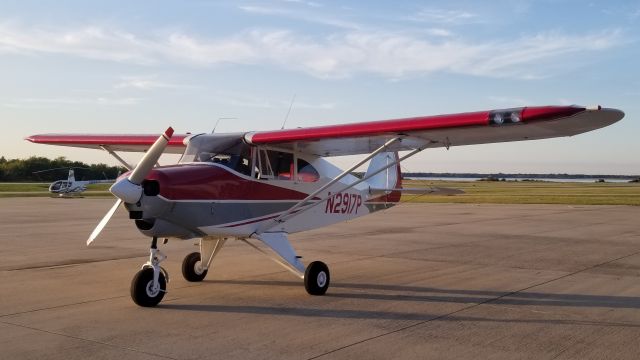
[530, 192]
[42, 189]
[476, 192]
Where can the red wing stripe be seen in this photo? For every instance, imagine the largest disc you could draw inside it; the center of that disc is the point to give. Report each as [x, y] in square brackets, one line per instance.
[396, 126]
[73, 139]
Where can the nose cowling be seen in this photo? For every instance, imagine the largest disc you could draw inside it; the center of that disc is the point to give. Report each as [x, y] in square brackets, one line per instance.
[127, 191]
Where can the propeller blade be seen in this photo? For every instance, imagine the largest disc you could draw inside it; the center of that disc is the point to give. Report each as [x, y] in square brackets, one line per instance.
[129, 189]
[103, 222]
[150, 158]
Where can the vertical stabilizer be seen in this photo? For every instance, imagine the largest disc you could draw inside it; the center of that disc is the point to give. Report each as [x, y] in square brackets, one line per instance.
[385, 181]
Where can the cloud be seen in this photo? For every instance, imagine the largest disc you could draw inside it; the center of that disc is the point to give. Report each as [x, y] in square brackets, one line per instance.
[444, 16]
[301, 15]
[312, 4]
[251, 101]
[508, 100]
[145, 82]
[337, 55]
[438, 32]
[88, 42]
[64, 101]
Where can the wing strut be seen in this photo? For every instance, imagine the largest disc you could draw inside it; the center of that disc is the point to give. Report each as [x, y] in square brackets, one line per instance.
[333, 181]
[290, 213]
[112, 153]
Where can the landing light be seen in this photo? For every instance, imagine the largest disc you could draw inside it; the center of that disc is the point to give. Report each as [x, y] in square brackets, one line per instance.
[505, 116]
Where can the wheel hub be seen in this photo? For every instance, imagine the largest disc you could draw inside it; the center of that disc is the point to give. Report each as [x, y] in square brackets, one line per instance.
[152, 291]
[197, 268]
[321, 280]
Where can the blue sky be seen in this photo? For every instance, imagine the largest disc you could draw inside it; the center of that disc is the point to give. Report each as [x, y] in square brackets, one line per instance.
[139, 66]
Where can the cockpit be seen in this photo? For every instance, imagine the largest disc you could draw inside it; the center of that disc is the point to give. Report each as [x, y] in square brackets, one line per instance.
[60, 185]
[264, 164]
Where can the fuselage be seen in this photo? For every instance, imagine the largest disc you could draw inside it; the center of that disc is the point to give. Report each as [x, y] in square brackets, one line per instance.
[198, 199]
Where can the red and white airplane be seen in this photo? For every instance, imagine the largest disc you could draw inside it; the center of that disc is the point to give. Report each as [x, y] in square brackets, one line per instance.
[264, 185]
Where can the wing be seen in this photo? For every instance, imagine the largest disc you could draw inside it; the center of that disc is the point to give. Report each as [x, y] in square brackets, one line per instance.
[132, 143]
[527, 123]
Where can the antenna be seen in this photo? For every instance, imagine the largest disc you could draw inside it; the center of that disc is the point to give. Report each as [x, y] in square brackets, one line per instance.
[288, 112]
[218, 121]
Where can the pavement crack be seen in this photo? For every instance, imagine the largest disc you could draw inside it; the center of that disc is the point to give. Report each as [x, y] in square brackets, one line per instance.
[61, 306]
[125, 348]
[487, 301]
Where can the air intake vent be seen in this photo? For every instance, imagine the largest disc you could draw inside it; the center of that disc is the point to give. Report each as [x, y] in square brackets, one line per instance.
[151, 187]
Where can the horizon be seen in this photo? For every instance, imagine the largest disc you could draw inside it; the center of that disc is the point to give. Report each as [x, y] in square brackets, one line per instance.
[122, 67]
[404, 173]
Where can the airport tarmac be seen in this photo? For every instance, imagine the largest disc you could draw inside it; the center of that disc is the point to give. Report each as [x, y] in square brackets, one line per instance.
[437, 281]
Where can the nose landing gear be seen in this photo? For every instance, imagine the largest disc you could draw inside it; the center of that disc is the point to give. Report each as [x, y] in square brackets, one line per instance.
[150, 283]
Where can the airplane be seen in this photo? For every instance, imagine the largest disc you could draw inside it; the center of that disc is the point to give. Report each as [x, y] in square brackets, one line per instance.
[261, 186]
[71, 186]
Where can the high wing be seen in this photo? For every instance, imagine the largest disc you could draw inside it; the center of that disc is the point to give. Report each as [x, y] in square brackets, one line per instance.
[526, 123]
[130, 143]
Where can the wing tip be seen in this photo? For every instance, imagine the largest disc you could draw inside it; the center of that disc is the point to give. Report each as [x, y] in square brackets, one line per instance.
[33, 138]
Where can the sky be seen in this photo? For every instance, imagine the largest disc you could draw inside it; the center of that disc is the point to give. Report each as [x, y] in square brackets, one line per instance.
[140, 66]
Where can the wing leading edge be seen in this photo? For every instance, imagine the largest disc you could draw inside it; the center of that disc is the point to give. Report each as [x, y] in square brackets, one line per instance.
[131, 143]
[527, 123]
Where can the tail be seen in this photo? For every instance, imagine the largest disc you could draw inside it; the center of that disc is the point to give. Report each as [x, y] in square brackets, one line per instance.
[385, 185]
[71, 177]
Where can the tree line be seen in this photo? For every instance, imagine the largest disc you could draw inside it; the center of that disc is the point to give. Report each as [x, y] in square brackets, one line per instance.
[28, 170]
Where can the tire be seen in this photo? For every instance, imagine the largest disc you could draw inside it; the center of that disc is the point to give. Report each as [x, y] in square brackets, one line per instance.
[141, 293]
[189, 270]
[316, 278]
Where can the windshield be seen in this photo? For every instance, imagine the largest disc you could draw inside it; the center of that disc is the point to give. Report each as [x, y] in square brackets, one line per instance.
[229, 151]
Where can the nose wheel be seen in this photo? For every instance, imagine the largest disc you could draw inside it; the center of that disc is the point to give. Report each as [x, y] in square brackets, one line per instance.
[150, 284]
[144, 291]
[316, 278]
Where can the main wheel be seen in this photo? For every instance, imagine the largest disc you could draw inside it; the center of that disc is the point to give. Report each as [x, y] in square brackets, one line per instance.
[143, 292]
[316, 278]
[192, 268]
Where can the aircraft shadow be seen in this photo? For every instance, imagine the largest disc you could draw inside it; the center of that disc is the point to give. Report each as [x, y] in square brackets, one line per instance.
[420, 294]
[430, 294]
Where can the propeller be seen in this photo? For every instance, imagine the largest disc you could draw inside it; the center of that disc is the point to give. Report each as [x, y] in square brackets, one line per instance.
[129, 190]
[103, 222]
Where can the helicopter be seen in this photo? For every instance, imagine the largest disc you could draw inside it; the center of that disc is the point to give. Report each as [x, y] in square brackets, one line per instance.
[71, 186]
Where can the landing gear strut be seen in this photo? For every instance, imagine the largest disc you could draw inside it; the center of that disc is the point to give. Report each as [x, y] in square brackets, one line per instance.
[316, 276]
[150, 283]
[196, 265]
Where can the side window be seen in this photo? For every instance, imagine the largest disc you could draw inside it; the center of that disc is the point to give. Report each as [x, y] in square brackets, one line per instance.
[279, 165]
[275, 165]
[306, 172]
[284, 166]
[265, 171]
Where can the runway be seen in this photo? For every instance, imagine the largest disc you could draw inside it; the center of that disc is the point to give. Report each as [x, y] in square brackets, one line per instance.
[439, 281]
